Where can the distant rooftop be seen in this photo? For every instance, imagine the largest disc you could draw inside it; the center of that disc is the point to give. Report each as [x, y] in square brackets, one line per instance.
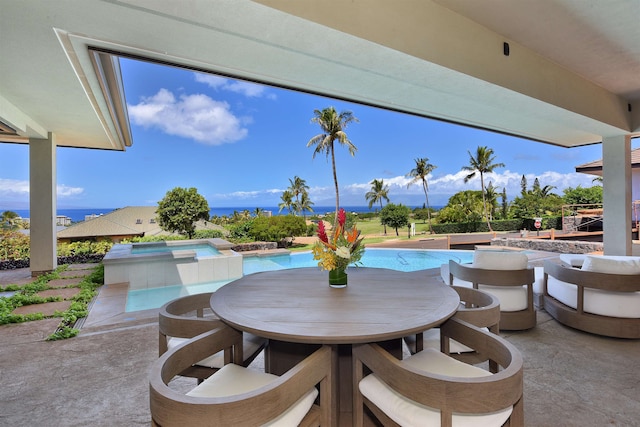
[595, 168]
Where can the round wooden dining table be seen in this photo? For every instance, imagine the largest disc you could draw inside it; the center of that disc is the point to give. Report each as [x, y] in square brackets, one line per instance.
[298, 311]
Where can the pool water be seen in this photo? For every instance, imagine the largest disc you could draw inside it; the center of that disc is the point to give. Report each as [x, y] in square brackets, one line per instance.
[202, 250]
[144, 299]
[395, 259]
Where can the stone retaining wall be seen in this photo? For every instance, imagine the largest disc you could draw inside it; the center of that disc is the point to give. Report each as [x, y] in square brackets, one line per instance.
[254, 246]
[560, 246]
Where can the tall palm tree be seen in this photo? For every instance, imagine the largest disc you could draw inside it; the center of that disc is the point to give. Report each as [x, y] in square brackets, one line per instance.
[378, 192]
[482, 163]
[304, 204]
[297, 187]
[287, 201]
[419, 174]
[333, 125]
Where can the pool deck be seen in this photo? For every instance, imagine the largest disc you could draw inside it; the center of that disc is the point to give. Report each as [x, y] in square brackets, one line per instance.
[571, 378]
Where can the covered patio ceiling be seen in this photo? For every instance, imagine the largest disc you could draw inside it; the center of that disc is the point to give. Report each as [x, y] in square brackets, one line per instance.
[571, 77]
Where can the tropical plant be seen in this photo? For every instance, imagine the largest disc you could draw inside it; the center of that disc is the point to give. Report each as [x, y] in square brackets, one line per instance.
[395, 216]
[342, 248]
[333, 125]
[505, 204]
[9, 220]
[464, 206]
[180, 209]
[492, 199]
[286, 201]
[419, 174]
[14, 245]
[297, 188]
[378, 192]
[537, 202]
[583, 196]
[305, 204]
[481, 163]
[280, 229]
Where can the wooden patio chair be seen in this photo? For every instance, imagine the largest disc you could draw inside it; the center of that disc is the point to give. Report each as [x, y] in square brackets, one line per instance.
[478, 308]
[432, 388]
[184, 318]
[506, 276]
[239, 396]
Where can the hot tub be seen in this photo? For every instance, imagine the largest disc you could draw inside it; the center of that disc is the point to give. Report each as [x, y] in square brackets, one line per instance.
[179, 262]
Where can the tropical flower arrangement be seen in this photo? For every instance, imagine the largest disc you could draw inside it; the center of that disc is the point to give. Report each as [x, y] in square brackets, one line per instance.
[342, 248]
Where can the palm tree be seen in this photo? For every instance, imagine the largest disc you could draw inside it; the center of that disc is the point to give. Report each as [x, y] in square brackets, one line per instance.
[304, 204]
[482, 163]
[287, 201]
[419, 174]
[333, 127]
[378, 192]
[297, 187]
[492, 198]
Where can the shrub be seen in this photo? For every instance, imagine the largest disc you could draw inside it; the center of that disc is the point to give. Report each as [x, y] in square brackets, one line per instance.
[14, 245]
[277, 228]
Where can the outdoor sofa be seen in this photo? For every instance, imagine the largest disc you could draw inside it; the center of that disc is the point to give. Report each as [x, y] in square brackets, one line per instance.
[596, 294]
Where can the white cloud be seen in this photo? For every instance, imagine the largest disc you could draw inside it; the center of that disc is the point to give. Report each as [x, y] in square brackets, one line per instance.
[12, 188]
[66, 191]
[449, 184]
[441, 188]
[17, 190]
[196, 117]
[247, 89]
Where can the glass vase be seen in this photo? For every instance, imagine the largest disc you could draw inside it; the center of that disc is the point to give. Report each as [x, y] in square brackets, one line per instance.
[337, 278]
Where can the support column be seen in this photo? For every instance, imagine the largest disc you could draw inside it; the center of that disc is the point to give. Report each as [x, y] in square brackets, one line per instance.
[616, 173]
[42, 205]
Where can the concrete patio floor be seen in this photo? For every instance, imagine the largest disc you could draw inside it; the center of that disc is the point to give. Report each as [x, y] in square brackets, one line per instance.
[100, 377]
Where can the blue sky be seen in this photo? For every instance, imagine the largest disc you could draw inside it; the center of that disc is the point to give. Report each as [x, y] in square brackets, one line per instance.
[239, 144]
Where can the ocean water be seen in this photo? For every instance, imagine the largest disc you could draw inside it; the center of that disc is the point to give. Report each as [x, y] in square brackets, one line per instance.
[78, 215]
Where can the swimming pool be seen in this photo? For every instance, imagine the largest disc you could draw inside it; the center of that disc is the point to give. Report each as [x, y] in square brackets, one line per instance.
[395, 259]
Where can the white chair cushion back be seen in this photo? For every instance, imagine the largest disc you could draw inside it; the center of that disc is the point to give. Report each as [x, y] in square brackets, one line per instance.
[512, 298]
[233, 379]
[596, 301]
[612, 264]
[500, 260]
[408, 413]
[250, 344]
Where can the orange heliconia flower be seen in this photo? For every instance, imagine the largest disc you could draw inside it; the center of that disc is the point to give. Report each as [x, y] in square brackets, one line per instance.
[352, 236]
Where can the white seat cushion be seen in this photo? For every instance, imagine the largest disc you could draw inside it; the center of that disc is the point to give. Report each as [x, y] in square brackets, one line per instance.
[431, 339]
[250, 344]
[572, 260]
[233, 379]
[408, 413]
